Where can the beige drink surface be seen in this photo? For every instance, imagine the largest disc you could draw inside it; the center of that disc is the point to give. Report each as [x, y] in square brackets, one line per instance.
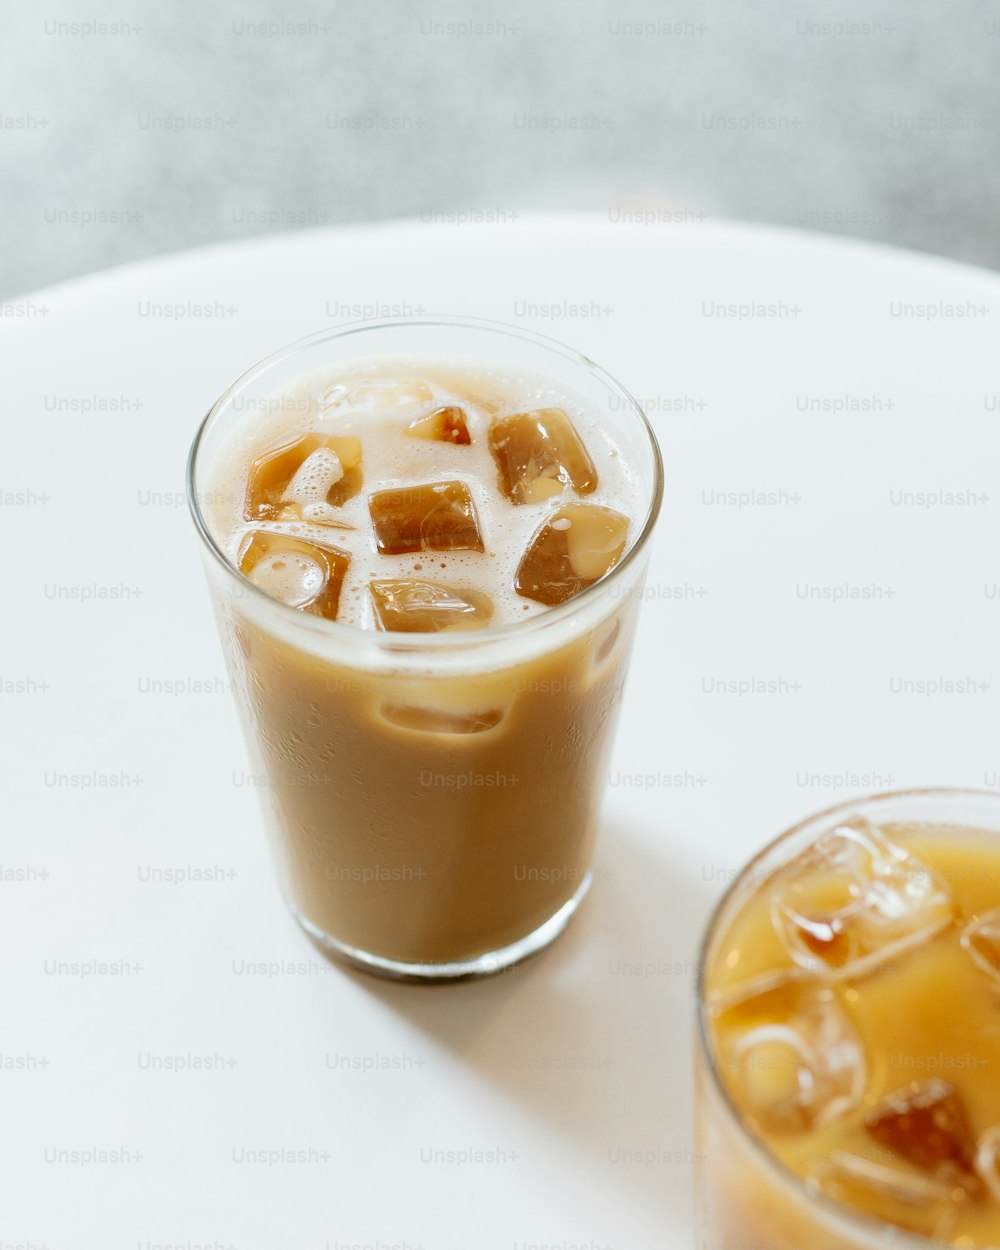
[376, 404]
[914, 1139]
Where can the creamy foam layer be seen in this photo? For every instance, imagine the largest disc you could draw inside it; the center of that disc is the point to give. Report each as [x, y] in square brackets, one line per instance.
[353, 402]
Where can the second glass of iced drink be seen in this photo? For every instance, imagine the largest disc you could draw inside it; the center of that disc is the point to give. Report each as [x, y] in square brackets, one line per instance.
[849, 1034]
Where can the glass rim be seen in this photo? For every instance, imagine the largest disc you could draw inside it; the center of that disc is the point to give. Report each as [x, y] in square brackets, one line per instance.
[420, 643]
[862, 1225]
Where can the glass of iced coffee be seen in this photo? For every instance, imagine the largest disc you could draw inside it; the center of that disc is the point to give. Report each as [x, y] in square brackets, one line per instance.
[848, 1048]
[426, 542]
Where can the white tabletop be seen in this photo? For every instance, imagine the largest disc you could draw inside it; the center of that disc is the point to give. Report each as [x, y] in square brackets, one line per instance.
[318, 1108]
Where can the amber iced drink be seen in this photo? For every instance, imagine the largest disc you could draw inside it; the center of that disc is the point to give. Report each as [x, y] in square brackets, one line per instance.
[849, 1047]
[426, 543]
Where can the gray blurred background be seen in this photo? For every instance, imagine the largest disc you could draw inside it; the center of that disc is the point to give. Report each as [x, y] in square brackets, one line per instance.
[137, 128]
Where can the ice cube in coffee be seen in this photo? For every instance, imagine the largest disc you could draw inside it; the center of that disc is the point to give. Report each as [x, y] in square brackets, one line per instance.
[539, 454]
[439, 516]
[407, 605]
[575, 547]
[303, 575]
[305, 478]
[352, 396]
[444, 425]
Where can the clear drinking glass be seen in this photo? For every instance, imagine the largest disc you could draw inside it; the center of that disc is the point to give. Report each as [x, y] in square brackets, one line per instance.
[745, 1198]
[406, 842]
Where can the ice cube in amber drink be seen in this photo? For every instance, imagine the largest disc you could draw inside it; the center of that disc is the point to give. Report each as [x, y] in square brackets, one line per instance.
[437, 517]
[406, 605]
[886, 1192]
[538, 454]
[306, 479]
[794, 1057]
[981, 939]
[926, 1123]
[855, 899]
[573, 549]
[305, 575]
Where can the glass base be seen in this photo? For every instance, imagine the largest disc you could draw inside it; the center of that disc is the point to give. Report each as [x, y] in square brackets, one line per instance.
[459, 970]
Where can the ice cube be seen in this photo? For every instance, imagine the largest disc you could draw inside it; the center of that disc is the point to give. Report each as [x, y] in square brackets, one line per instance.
[439, 720]
[310, 486]
[855, 900]
[437, 517]
[281, 472]
[926, 1123]
[573, 549]
[981, 938]
[538, 454]
[801, 1069]
[443, 425]
[374, 394]
[905, 1199]
[304, 575]
[406, 605]
[988, 1160]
